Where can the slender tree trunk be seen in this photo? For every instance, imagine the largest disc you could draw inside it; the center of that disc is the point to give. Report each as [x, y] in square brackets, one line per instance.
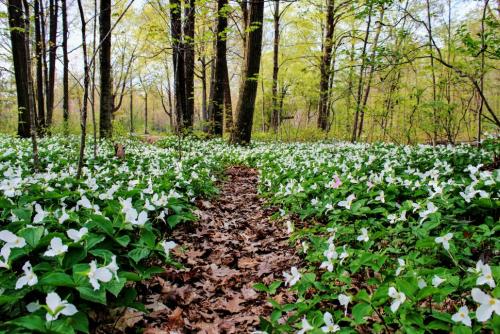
[83, 120]
[170, 107]
[189, 26]
[131, 106]
[106, 101]
[53, 14]
[145, 112]
[92, 89]
[323, 111]
[178, 61]
[274, 122]
[204, 105]
[362, 74]
[228, 104]
[65, 67]
[433, 74]
[18, 31]
[371, 67]
[216, 106]
[39, 69]
[242, 132]
[44, 57]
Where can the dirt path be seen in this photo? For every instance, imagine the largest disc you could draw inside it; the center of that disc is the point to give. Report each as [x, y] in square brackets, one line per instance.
[233, 246]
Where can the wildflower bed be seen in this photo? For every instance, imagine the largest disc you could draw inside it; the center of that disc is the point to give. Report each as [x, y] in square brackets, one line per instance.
[394, 237]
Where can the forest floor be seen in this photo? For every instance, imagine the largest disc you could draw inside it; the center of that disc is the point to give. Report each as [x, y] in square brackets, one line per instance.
[232, 246]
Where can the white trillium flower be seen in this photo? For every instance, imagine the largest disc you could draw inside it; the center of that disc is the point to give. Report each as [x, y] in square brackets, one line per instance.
[401, 267]
[421, 283]
[56, 248]
[486, 277]
[344, 300]
[398, 298]
[29, 278]
[75, 235]
[306, 326]
[292, 278]
[344, 255]
[168, 246]
[11, 240]
[431, 208]
[5, 253]
[96, 274]
[56, 307]
[364, 235]
[487, 306]
[289, 227]
[330, 326]
[445, 239]
[40, 214]
[347, 202]
[64, 216]
[436, 281]
[113, 267]
[305, 246]
[381, 197]
[462, 316]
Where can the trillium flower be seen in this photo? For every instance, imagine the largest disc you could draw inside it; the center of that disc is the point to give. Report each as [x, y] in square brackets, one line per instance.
[113, 267]
[84, 202]
[168, 246]
[305, 246]
[398, 298]
[462, 316]
[445, 239]
[292, 278]
[40, 214]
[11, 240]
[328, 264]
[363, 236]
[96, 274]
[306, 326]
[381, 197]
[56, 248]
[56, 307]
[5, 253]
[64, 216]
[401, 267]
[29, 278]
[289, 227]
[486, 276]
[421, 283]
[330, 326]
[487, 306]
[347, 202]
[436, 281]
[431, 208]
[75, 235]
[344, 255]
[344, 300]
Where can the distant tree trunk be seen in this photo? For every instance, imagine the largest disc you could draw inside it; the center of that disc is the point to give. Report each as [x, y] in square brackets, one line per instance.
[481, 80]
[39, 69]
[44, 57]
[323, 110]
[216, 106]
[131, 107]
[242, 131]
[204, 104]
[189, 26]
[178, 61]
[53, 10]
[362, 74]
[18, 31]
[228, 103]
[83, 119]
[370, 73]
[433, 74]
[65, 66]
[106, 101]
[146, 112]
[276, 45]
[170, 107]
[92, 89]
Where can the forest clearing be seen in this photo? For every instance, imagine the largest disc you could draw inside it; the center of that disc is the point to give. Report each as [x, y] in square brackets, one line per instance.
[261, 166]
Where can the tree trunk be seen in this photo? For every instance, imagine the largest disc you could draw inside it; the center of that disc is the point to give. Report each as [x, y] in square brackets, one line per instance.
[53, 10]
[204, 104]
[145, 112]
[189, 25]
[276, 45]
[39, 69]
[228, 104]
[106, 100]
[433, 73]
[178, 61]
[20, 56]
[131, 107]
[323, 110]
[248, 91]
[216, 106]
[65, 66]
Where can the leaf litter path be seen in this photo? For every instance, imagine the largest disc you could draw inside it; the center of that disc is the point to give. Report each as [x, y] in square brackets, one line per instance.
[231, 247]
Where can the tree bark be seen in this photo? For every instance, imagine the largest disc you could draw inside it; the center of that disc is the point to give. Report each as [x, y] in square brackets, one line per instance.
[276, 45]
[433, 74]
[20, 56]
[178, 61]
[242, 132]
[53, 15]
[228, 103]
[189, 26]
[216, 106]
[106, 99]
[39, 69]
[65, 66]
[323, 110]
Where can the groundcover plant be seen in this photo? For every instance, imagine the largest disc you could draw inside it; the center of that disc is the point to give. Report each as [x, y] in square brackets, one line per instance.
[394, 238]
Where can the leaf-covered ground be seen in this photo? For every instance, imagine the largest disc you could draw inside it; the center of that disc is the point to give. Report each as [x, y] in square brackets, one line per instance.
[233, 246]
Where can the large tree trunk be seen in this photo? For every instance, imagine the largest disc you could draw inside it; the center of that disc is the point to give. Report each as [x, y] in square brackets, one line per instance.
[39, 68]
[106, 101]
[65, 66]
[189, 26]
[204, 104]
[433, 74]
[323, 110]
[275, 116]
[53, 10]
[20, 57]
[216, 106]
[178, 61]
[242, 132]
[228, 103]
